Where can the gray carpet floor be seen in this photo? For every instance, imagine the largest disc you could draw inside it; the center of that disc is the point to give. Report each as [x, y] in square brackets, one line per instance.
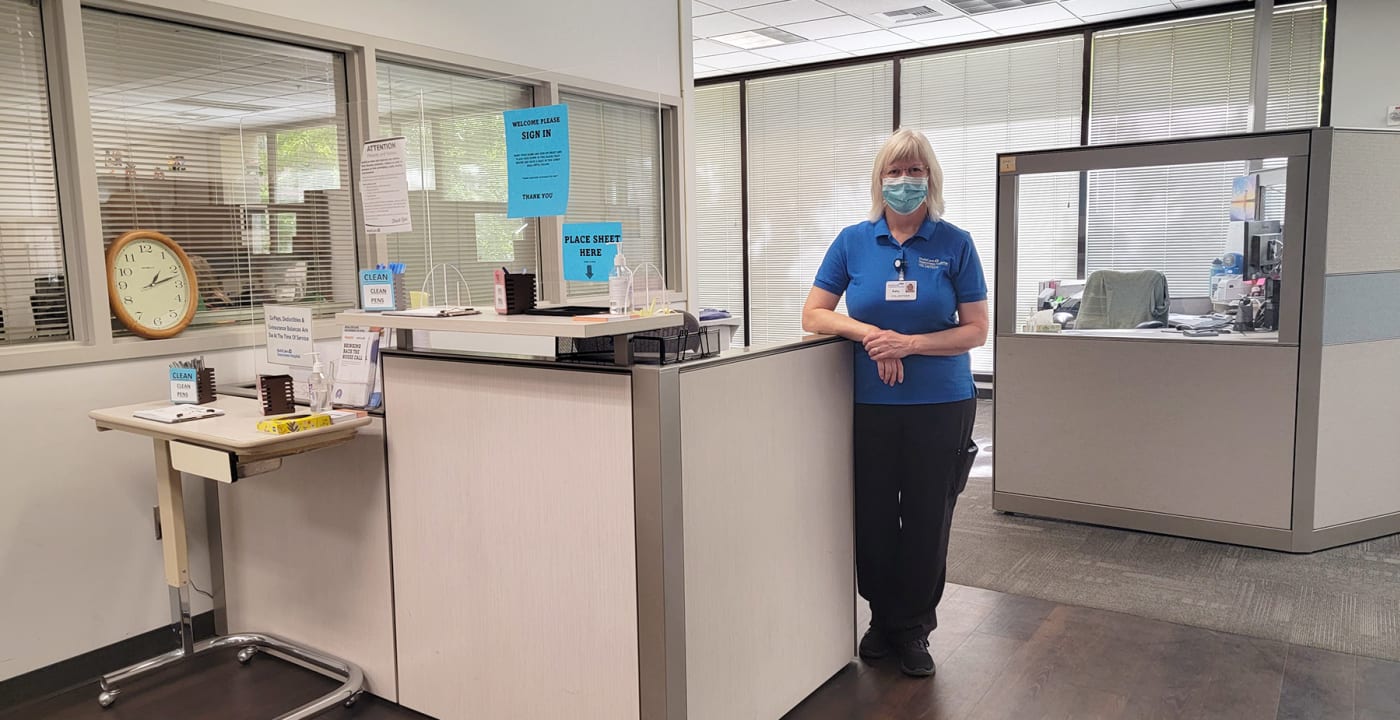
[1346, 599]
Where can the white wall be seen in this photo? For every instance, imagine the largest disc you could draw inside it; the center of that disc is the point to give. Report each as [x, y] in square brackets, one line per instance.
[634, 43]
[1364, 81]
[79, 565]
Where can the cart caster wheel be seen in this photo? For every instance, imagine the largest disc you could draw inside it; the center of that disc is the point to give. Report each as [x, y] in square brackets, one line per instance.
[107, 697]
[246, 654]
[354, 698]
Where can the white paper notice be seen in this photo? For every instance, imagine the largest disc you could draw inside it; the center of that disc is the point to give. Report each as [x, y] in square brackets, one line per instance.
[288, 335]
[384, 185]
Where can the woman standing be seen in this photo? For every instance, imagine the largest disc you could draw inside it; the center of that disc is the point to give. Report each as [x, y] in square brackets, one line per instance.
[917, 304]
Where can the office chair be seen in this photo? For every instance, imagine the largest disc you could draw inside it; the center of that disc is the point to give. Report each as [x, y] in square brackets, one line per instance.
[1120, 300]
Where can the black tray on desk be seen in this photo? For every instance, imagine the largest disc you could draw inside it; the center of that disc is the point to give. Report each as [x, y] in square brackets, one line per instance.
[566, 310]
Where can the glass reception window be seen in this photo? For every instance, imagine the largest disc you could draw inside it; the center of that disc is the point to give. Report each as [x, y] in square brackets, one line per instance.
[1191, 251]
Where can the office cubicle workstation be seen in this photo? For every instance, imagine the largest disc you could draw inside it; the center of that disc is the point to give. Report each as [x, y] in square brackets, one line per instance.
[1189, 334]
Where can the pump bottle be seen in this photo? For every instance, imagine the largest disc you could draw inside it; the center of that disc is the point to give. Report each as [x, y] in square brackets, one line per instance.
[619, 286]
[318, 386]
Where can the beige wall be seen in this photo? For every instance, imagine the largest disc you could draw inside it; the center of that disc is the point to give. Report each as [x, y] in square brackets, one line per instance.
[1364, 81]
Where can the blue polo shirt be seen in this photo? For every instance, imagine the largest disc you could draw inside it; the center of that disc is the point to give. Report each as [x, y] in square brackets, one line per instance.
[944, 262]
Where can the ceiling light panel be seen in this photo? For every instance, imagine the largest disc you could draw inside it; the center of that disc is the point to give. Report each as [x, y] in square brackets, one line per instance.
[760, 38]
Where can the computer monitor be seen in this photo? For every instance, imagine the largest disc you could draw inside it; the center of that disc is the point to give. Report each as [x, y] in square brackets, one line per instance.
[1263, 258]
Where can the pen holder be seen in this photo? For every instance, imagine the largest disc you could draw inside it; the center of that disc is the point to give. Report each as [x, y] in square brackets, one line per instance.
[515, 292]
[204, 386]
[277, 394]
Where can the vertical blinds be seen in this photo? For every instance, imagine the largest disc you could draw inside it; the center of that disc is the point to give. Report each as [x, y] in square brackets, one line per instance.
[33, 292]
[719, 243]
[456, 178]
[236, 148]
[615, 152]
[1177, 80]
[812, 142]
[973, 104]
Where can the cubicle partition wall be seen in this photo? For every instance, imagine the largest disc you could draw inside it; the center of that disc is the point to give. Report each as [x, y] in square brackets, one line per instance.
[1278, 436]
[669, 543]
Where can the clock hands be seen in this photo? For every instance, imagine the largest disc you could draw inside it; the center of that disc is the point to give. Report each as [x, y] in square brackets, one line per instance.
[162, 282]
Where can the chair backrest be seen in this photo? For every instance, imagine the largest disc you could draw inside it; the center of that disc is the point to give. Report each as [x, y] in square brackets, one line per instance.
[1117, 299]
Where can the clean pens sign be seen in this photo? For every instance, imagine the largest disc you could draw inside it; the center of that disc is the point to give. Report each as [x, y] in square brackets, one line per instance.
[589, 249]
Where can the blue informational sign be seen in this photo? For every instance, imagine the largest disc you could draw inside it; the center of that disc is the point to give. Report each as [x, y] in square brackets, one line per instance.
[376, 290]
[589, 249]
[537, 161]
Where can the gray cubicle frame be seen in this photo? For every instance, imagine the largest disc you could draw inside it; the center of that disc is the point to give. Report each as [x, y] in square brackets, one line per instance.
[1301, 314]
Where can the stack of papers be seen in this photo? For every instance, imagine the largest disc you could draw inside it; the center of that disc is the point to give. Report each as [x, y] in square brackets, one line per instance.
[435, 311]
[178, 413]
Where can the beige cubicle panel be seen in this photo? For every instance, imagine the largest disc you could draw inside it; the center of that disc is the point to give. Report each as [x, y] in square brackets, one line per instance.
[1283, 440]
[513, 540]
[306, 555]
[769, 585]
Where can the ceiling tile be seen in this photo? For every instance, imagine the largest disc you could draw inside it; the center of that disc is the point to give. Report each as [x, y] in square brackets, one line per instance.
[789, 11]
[705, 48]
[698, 8]
[865, 41]
[829, 27]
[797, 51]
[736, 60]
[870, 7]
[1139, 13]
[941, 29]
[1089, 8]
[936, 42]
[1033, 15]
[1198, 3]
[1038, 27]
[721, 24]
[735, 4]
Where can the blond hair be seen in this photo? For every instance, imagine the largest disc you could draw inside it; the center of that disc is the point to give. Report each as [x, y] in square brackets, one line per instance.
[907, 144]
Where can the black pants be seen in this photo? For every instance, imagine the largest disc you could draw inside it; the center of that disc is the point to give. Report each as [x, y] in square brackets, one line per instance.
[907, 478]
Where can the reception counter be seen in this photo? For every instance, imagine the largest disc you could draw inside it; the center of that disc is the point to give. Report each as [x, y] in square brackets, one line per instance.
[551, 539]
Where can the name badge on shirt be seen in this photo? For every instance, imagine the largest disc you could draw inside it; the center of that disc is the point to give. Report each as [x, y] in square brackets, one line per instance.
[896, 290]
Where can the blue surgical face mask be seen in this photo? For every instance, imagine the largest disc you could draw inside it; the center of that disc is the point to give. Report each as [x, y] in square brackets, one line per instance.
[904, 194]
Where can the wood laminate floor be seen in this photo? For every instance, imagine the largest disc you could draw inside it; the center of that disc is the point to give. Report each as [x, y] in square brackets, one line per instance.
[1000, 657]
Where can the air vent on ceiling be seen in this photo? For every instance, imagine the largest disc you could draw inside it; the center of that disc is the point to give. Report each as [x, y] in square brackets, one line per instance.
[909, 15]
[977, 7]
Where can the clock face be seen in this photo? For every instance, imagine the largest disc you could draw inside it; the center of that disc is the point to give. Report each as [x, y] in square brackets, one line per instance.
[151, 287]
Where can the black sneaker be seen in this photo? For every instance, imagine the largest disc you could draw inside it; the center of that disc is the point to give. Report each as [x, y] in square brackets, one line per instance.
[874, 645]
[914, 659]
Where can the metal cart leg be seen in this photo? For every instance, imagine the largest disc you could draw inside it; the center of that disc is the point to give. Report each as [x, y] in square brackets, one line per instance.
[170, 493]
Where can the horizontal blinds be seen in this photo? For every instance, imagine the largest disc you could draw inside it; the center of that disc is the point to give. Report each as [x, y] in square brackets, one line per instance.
[615, 153]
[237, 148]
[974, 104]
[719, 242]
[33, 291]
[1187, 79]
[456, 178]
[812, 140]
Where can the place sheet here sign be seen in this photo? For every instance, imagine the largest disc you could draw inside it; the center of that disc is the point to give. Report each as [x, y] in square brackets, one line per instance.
[589, 249]
[537, 161]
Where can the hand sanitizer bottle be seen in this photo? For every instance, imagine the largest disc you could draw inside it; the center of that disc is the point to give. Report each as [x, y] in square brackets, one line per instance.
[319, 386]
[619, 286]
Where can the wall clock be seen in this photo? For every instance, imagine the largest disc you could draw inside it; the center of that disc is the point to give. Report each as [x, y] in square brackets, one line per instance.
[151, 284]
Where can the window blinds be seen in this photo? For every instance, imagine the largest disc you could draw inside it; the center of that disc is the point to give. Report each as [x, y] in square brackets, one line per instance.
[236, 148]
[457, 180]
[615, 153]
[973, 104]
[1177, 80]
[812, 141]
[33, 292]
[718, 201]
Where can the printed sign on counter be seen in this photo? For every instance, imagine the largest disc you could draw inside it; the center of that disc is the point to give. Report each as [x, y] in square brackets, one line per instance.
[288, 335]
[537, 161]
[384, 185]
[184, 385]
[377, 290]
[589, 249]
